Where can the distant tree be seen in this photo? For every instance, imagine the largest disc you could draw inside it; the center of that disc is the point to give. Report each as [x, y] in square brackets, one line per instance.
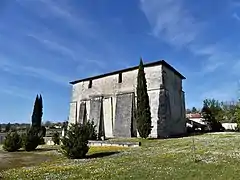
[229, 112]
[188, 111]
[8, 127]
[212, 114]
[194, 110]
[237, 115]
[0, 127]
[144, 124]
[48, 123]
[215, 107]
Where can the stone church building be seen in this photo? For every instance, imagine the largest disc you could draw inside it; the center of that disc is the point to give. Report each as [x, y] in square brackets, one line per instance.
[110, 101]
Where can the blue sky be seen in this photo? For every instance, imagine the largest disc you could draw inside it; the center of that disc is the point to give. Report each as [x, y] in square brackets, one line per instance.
[45, 44]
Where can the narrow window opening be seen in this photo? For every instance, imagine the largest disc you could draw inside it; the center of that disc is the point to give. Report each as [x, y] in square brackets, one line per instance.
[120, 78]
[90, 84]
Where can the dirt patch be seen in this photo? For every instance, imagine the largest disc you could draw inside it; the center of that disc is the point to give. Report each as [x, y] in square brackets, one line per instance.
[22, 159]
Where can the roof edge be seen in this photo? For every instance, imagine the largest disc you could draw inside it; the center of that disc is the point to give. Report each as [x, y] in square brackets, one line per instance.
[160, 62]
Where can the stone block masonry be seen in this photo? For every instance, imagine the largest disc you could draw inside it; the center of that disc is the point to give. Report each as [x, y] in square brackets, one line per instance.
[124, 115]
[110, 100]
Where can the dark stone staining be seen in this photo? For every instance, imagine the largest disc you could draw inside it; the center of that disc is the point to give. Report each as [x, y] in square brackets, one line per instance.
[164, 79]
[123, 115]
[164, 113]
[82, 113]
[101, 122]
[96, 112]
[134, 118]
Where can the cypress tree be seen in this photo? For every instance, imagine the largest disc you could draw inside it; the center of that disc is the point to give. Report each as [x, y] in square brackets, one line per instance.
[143, 108]
[37, 112]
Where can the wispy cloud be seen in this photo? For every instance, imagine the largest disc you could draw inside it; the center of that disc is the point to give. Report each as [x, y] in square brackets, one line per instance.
[55, 46]
[19, 69]
[18, 92]
[235, 16]
[172, 22]
[62, 10]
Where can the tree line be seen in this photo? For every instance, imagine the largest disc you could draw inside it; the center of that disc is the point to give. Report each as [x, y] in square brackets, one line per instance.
[215, 112]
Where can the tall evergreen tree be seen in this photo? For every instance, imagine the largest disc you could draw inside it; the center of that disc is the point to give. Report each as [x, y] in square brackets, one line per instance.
[37, 112]
[143, 108]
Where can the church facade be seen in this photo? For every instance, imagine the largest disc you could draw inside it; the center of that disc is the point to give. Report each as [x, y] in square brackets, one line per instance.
[110, 101]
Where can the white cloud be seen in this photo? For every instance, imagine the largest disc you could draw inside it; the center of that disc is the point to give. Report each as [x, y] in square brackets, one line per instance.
[172, 22]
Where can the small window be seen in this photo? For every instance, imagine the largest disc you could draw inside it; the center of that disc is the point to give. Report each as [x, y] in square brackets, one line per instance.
[90, 84]
[120, 78]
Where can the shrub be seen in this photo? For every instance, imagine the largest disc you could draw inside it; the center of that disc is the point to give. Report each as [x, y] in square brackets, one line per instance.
[42, 131]
[41, 141]
[30, 140]
[56, 138]
[41, 134]
[91, 128]
[75, 142]
[12, 142]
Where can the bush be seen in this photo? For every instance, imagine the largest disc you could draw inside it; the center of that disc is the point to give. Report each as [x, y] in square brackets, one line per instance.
[42, 131]
[56, 138]
[41, 134]
[41, 141]
[75, 142]
[12, 142]
[30, 140]
[91, 128]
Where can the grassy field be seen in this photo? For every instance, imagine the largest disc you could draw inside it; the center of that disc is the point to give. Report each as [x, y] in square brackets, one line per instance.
[217, 157]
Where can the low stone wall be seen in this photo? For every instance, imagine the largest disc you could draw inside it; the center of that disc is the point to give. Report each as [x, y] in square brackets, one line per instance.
[229, 126]
[48, 141]
[109, 143]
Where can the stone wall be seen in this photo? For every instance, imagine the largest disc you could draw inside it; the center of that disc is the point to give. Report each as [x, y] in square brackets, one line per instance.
[229, 126]
[176, 122]
[108, 88]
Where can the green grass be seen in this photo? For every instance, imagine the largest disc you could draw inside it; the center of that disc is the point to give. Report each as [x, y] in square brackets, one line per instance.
[217, 157]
